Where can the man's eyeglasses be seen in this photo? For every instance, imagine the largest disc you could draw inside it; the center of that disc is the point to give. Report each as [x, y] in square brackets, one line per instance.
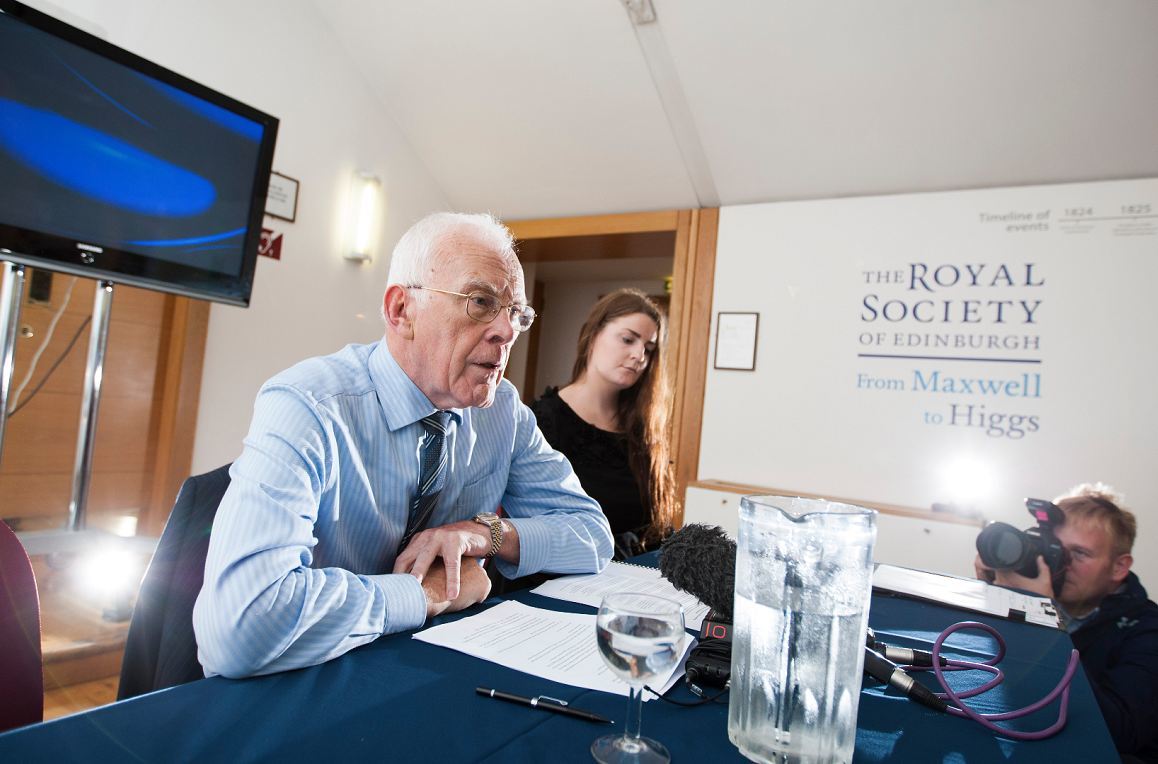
[483, 307]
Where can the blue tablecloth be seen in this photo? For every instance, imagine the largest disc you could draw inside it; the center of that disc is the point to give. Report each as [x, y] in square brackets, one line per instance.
[398, 699]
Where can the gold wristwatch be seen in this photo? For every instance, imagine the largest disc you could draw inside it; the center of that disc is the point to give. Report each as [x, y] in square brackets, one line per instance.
[493, 521]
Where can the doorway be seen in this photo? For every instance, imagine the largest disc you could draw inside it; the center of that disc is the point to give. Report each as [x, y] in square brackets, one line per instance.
[583, 257]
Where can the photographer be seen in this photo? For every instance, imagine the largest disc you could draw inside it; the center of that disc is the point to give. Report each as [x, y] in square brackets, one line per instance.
[1106, 611]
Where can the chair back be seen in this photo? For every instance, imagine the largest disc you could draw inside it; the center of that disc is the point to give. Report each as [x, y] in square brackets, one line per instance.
[21, 674]
[161, 650]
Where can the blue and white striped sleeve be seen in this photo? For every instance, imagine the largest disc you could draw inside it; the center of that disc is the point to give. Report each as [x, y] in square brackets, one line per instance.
[561, 529]
[262, 607]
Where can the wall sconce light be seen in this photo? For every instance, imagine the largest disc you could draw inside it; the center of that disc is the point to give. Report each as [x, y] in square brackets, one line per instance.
[365, 195]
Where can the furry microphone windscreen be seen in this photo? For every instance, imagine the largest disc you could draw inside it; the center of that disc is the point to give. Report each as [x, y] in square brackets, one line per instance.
[701, 560]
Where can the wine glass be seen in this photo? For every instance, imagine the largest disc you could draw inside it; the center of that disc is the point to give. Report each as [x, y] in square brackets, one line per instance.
[640, 636]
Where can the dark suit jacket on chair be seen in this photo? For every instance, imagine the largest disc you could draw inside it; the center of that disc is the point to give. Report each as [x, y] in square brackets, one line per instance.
[161, 650]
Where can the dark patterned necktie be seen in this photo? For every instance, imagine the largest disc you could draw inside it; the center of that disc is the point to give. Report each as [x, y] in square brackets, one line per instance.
[432, 457]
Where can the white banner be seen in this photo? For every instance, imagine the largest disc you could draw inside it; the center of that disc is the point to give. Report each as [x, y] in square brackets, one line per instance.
[968, 349]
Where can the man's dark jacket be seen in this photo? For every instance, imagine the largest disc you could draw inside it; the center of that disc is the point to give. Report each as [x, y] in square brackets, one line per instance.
[1119, 651]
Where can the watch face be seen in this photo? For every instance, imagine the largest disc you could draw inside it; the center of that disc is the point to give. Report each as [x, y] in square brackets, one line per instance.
[486, 517]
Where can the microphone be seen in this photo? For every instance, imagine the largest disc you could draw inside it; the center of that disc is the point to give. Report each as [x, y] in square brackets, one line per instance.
[701, 560]
[905, 656]
[883, 670]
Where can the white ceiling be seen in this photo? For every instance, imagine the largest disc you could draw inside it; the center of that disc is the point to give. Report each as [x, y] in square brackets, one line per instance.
[540, 108]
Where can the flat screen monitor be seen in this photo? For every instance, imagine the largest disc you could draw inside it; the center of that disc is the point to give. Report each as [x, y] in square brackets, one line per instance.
[112, 167]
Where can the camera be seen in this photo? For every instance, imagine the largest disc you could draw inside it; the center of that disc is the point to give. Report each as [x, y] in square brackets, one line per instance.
[1003, 547]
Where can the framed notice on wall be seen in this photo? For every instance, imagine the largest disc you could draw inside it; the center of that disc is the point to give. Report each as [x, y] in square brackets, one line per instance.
[736, 341]
[281, 201]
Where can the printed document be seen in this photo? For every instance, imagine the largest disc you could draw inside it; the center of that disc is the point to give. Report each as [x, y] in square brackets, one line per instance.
[623, 577]
[556, 646]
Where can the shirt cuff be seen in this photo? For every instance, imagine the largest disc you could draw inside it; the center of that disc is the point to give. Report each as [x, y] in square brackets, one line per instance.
[534, 547]
[405, 601]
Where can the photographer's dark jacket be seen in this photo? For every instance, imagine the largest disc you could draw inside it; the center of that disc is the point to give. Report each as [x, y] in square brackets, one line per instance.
[1119, 651]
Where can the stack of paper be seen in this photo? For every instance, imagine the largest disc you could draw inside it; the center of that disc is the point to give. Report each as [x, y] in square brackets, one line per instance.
[556, 646]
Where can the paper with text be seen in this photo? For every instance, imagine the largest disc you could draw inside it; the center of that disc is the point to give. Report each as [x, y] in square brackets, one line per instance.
[556, 646]
[622, 577]
[966, 593]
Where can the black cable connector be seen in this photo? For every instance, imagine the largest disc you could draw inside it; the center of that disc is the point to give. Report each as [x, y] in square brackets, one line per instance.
[904, 656]
[907, 656]
[883, 670]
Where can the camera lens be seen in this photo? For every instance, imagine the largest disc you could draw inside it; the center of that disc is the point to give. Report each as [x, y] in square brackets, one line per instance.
[1002, 547]
[1008, 548]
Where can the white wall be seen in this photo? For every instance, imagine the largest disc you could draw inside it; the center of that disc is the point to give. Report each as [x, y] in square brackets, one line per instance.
[279, 56]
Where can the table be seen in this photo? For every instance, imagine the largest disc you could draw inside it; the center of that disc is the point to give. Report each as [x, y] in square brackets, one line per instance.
[398, 699]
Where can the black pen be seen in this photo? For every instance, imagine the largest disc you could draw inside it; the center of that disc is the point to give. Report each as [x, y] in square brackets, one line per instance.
[553, 705]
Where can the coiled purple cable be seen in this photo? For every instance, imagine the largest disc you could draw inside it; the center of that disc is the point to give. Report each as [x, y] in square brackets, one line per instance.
[987, 720]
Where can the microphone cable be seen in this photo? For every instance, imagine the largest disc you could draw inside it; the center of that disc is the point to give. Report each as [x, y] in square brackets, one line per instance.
[713, 650]
[704, 699]
[955, 701]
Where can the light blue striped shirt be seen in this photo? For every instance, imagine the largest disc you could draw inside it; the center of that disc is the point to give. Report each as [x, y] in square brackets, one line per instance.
[299, 562]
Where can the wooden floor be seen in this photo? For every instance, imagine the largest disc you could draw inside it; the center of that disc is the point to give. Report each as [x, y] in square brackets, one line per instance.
[79, 697]
[81, 649]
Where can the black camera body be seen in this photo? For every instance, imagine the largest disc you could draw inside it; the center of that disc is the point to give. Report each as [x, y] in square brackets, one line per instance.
[1003, 547]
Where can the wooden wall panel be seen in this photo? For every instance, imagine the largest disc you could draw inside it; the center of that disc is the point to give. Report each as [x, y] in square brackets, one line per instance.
[111, 495]
[42, 437]
[134, 322]
[141, 362]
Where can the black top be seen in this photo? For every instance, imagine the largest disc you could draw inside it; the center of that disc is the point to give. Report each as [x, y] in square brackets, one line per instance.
[600, 460]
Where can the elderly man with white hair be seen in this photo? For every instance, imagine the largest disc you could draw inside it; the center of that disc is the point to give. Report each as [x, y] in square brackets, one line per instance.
[367, 491]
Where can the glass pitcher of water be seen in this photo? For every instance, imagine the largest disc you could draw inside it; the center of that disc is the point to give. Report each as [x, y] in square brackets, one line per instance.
[803, 582]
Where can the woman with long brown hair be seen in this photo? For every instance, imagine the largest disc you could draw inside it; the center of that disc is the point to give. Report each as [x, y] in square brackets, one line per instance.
[611, 420]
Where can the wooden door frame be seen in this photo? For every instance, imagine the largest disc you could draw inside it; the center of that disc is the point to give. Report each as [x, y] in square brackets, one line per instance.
[176, 396]
[693, 273]
[531, 364]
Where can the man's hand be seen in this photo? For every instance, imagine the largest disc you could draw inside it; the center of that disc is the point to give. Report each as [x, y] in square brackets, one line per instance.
[476, 585]
[983, 571]
[451, 543]
[1042, 585]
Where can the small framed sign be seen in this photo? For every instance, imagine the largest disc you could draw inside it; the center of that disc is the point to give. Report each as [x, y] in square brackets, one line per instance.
[281, 201]
[736, 340]
[270, 244]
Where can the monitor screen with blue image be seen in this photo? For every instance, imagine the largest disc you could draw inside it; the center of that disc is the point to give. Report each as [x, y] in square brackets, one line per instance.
[113, 167]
